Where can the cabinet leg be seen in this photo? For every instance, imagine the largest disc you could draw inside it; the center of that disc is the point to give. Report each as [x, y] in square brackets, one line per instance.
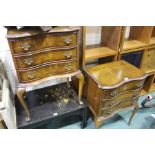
[136, 107]
[84, 118]
[98, 122]
[81, 82]
[20, 95]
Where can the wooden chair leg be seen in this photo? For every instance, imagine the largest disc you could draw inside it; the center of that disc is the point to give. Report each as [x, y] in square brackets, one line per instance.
[81, 82]
[136, 107]
[20, 95]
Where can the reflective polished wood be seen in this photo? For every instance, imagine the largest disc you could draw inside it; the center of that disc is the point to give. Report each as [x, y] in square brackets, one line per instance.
[42, 56]
[113, 87]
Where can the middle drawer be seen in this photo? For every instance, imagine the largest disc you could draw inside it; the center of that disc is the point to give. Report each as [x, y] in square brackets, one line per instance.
[46, 56]
[106, 103]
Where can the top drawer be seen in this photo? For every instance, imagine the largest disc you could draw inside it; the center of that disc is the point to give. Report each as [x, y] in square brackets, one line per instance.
[108, 94]
[61, 40]
[25, 45]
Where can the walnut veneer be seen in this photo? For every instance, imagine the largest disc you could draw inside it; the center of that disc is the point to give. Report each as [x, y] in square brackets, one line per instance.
[40, 56]
[113, 87]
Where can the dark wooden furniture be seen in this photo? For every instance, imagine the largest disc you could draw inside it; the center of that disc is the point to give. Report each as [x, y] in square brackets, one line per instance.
[113, 87]
[49, 108]
[42, 56]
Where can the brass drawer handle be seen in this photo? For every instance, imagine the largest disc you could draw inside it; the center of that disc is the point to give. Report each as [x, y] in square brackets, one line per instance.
[32, 74]
[67, 40]
[113, 93]
[25, 46]
[68, 54]
[69, 66]
[109, 111]
[139, 84]
[28, 61]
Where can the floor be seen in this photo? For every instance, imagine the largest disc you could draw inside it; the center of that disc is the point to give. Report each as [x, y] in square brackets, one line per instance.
[142, 120]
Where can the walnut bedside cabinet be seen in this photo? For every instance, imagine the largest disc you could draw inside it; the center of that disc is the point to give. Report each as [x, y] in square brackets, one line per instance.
[42, 56]
[113, 87]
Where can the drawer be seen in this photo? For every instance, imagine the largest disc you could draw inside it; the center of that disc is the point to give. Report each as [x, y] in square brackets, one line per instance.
[62, 40]
[122, 105]
[125, 95]
[148, 61]
[45, 57]
[28, 44]
[45, 71]
[111, 93]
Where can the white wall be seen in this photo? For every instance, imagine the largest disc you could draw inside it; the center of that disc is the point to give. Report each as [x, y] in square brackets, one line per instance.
[6, 57]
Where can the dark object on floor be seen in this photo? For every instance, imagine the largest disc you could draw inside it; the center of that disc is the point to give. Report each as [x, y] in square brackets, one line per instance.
[147, 102]
[57, 105]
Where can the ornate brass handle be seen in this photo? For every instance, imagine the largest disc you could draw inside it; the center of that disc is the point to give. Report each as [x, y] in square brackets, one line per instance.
[139, 84]
[69, 66]
[28, 61]
[109, 111]
[68, 54]
[25, 46]
[68, 40]
[113, 93]
[32, 74]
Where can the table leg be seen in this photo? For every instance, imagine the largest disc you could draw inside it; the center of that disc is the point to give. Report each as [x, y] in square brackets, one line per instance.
[136, 107]
[84, 118]
[98, 122]
[81, 82]
[20, 95]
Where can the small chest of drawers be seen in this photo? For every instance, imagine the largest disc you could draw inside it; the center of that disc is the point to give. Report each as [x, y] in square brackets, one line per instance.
[41, 56]
[113, 87]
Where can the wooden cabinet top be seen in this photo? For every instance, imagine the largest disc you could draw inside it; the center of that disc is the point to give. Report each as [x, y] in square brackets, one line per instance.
[28, 32]
[114, 74]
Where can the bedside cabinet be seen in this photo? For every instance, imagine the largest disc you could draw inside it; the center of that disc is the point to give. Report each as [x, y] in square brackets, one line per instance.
[43, 56]
[113, 87]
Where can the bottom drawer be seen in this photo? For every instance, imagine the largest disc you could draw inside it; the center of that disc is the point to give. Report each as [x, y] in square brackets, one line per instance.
[113, 110]
[45, 71]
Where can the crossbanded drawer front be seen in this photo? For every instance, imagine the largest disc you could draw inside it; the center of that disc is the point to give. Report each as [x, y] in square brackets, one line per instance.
[125, 95]
[108, 94]
[61, 40]
[28, 44]
[106, 112]
[45, 71]
[45, 57]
